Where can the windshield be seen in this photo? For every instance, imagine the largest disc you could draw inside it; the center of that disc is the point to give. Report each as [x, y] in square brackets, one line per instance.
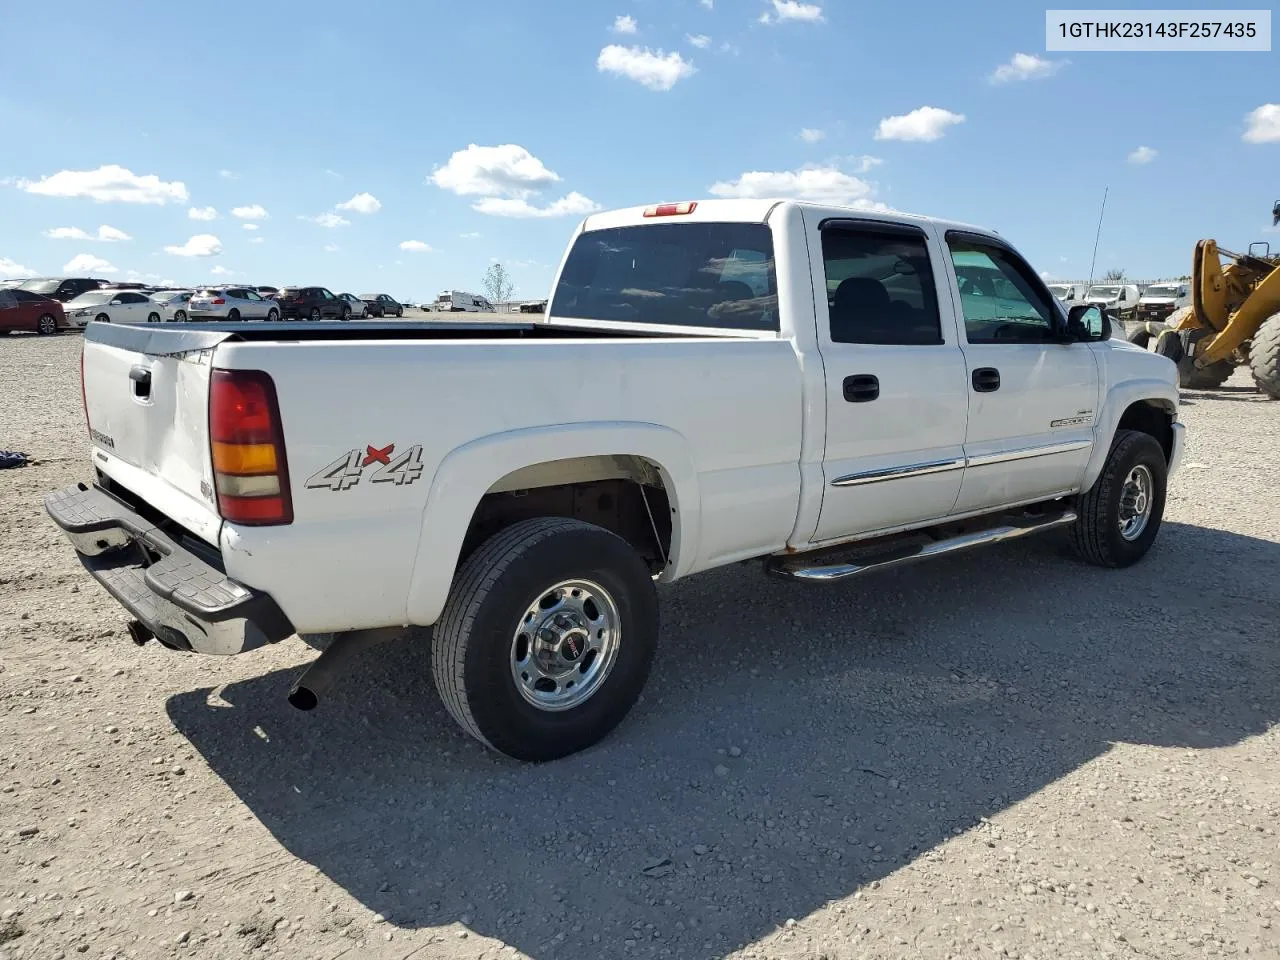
[168, 296]
[93, 297]
[1161, 290]
[681, 274]
[40, 286]
[1106, 292]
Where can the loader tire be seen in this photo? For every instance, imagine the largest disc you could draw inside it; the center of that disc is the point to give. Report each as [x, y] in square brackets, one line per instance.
[1133, 481]
[1144, 333]
[1264, 357]
[1191, 377]
[546, 639]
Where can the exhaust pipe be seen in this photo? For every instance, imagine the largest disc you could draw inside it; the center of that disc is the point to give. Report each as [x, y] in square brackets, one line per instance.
[333, 660]
[139, 632]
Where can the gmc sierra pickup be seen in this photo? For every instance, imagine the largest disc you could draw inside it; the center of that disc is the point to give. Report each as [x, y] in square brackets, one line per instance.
[827, 390]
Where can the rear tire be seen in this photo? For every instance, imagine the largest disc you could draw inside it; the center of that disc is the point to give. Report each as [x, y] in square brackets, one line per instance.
[1264, 357]
[47, 324]
[315, 314]
[273, 315]
[180, 316]
[1130, 488]
[506, 698]
[234, 316]
[346, 313]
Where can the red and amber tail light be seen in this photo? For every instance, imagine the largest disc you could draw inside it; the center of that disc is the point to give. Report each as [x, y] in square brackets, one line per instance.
[246, 440]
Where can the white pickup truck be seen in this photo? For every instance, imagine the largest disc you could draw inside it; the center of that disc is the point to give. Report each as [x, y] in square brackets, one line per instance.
[811, 386]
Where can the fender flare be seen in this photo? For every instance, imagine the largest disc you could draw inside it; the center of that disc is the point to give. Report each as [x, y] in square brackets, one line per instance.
[1119, 398]
[467, 472]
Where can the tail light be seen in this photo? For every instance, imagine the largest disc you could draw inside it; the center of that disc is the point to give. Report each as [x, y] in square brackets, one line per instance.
[219, 300]
[246, 440]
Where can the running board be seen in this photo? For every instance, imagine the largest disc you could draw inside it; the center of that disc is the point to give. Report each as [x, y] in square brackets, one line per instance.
[855, 559]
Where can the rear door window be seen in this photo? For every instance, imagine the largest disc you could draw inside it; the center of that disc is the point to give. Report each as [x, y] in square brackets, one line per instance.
[680, 274]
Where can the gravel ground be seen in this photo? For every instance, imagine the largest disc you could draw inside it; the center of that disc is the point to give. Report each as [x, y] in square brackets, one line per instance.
[1004, 754]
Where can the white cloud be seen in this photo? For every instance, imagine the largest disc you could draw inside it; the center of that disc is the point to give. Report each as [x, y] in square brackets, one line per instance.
[826, 184]
[249, 226]
[508, 169]
[1143, 155]
[416, 246]
[110, 183]
[792, 10]
[1264, 124]
[105, 233]
[866, 162]
[520, 208]
[707, 3]
[657, 71]
[810, 135]
[67, 233]
[923, 123]
[202, 213]
[11, 268]
[201, 245]
[333, 173]
[255, 239]
[228, 175]
[699, 40]
[361, 203]
[624, 24]
[221, 271]
[328, 220]
[1026, 66]
[88, 263]
[473, 235]
[255, 211]
[331, 248]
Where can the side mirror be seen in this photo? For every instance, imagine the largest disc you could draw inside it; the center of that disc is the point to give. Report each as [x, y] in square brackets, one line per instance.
[114, 303]
[1086, 324]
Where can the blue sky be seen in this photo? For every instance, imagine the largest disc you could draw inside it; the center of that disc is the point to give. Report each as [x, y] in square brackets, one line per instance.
[284, 111]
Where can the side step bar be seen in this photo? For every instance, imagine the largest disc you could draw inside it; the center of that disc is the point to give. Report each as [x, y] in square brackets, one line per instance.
[855, 559]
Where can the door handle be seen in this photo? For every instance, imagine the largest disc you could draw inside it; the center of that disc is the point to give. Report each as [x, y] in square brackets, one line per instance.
[861, 388]
[986, 379]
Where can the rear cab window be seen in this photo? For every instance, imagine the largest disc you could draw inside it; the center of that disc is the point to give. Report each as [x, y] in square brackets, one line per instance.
[717, 275]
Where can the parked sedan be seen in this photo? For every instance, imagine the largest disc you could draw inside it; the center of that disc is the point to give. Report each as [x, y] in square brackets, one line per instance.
[112, 306]
[231, 303]
[382, 305]
[312, 303]
[172, 304]
[23, 310]
[359, 309]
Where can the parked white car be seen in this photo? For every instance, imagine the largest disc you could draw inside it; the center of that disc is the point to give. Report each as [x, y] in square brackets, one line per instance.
[820, 389]
[172, 304]
[1117, 299]
[359, 309]
[1068, 293]
[231, 303]
[112, 306]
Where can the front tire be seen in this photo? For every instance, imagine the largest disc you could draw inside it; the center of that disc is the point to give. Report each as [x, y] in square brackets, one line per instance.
[180, 316]
[153, 317]
[315, 314]
[346, 313]
[1264, 357]
[47, 325]
[546, 639]
[1119, 516]
[102, 318]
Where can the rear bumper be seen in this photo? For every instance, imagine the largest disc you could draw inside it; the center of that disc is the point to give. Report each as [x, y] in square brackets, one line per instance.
[188, 603]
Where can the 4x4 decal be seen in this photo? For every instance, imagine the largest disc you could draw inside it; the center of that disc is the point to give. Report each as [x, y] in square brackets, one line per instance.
[390, 467]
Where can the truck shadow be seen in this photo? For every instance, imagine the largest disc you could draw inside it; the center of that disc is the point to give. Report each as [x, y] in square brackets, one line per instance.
[869, 722]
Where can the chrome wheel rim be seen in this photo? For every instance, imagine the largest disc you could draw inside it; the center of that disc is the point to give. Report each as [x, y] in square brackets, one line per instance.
[565, 645]
[48, 324]
[1137, 497]
[180, 316]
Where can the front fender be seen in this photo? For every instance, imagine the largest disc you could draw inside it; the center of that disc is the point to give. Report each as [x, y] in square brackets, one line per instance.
[1118, 400]
[467, 472]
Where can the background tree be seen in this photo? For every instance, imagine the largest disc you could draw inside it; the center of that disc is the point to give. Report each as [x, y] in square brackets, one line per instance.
[497, 283]
[1114, 275]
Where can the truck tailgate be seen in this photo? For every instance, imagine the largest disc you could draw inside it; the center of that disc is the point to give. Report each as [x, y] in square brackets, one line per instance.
[146, 399]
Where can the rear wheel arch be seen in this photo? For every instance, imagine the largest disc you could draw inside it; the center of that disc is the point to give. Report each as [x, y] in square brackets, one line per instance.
[476, 489]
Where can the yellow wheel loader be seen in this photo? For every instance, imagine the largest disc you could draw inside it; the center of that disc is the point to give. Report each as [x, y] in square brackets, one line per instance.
[1233, 319]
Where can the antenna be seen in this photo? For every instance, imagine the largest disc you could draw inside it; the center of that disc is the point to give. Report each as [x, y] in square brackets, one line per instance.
[1098, 235]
